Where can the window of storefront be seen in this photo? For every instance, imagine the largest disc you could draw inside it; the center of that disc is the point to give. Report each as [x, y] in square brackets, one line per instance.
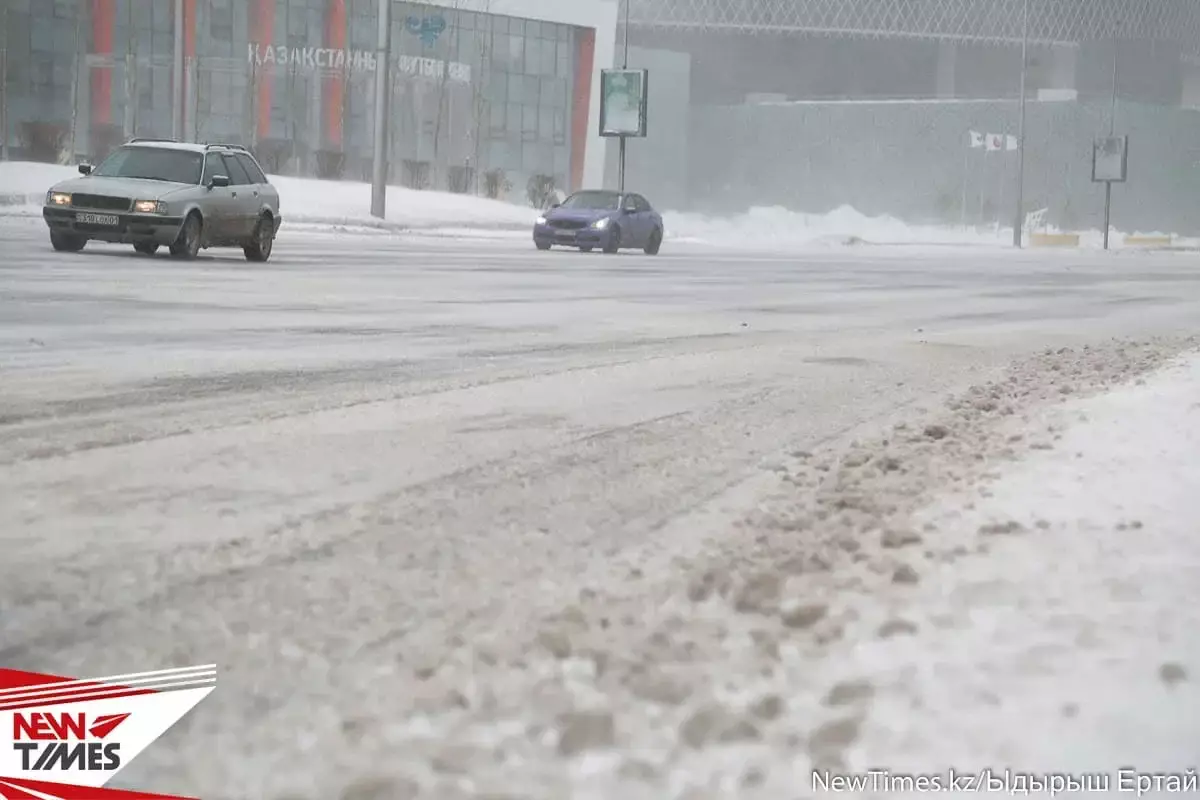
[472, 92]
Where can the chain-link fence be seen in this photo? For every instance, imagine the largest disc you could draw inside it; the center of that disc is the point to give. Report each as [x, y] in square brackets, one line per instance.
[983, 21]
[914, 160]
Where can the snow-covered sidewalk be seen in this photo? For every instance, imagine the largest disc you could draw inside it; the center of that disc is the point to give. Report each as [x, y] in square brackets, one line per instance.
[1065, 635]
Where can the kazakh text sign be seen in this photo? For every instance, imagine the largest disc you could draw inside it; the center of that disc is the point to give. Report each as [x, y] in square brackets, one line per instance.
[315, 58]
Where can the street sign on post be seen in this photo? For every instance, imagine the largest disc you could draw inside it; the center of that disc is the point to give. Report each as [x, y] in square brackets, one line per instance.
[1110, 159]
[623, 102]
[1110, 164]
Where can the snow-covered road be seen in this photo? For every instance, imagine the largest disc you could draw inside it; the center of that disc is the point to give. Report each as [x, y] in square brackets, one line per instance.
[363, 477]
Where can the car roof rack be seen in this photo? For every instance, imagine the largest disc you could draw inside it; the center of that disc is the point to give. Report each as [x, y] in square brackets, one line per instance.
[137, 139]
[212, 145]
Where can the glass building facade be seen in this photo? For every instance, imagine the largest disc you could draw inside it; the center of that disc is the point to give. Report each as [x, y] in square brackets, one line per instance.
[480, 102]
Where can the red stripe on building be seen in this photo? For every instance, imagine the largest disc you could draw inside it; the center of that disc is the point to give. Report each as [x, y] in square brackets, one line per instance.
[335, 39]
[581, 104]
[189, 28]
[264, 35]
[104, 18]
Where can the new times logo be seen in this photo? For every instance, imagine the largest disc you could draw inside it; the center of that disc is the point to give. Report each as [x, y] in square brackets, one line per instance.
[64, 738]
[63, 741]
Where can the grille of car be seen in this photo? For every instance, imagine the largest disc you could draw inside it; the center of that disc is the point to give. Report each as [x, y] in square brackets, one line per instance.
[100, 202]
[568, 224]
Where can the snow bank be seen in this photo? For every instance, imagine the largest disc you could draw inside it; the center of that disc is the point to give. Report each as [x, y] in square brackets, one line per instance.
[345, 205]
[1070, 644]
[775, 227]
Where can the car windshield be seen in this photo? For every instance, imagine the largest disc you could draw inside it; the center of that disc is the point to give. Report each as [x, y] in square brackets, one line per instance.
[595, 200]
[152, 163]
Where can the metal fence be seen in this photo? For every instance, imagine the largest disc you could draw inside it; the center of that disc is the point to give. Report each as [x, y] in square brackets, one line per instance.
[996, 21]
[913, 160]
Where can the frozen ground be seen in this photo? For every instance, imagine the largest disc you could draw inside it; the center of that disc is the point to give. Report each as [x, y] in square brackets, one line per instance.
[343, 206]
[470, 520]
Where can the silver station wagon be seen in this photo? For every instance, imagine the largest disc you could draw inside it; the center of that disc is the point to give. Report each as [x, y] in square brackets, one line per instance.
[154, 193]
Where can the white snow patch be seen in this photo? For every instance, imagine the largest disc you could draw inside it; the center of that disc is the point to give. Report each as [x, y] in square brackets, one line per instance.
[1070, 646]
[774, 228]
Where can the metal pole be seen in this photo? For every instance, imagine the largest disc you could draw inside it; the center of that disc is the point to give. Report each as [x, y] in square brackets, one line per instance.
[625, 27]
[1112, 128]
[962, 211]
[4, 100]
[1112, 114]
[177, 75]
[4, 85]
[624, 65]
[621, 166]
[76, 68]
[131, 81]
[1019, 221]
[383, 59]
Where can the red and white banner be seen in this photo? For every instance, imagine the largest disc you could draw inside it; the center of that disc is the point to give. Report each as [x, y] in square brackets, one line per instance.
[64, 738]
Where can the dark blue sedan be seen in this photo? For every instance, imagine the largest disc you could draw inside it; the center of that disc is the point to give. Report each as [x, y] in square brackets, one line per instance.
[608, 220]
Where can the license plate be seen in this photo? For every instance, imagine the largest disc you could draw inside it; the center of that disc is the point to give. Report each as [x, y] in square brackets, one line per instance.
[566, 234]
[97, 219]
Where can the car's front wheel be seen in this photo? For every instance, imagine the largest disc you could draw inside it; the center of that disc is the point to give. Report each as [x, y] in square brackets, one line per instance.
[146, 248]
[614, 240]
[66, 243]
[542, 245]
[653, 243]
[262, 240]
[187, 246]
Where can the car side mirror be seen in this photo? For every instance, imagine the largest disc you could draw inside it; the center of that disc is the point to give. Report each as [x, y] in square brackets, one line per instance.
[85, 169]
[219, 182]
[556, 205]
[629, 209]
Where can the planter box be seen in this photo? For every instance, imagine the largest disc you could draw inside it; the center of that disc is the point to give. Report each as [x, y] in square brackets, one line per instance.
[1148, 241]
[1054, 240]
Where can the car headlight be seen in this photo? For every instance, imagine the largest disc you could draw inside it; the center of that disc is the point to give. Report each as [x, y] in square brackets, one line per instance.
[150, 207]
[58, 199]
[600, 224]
[540, 221]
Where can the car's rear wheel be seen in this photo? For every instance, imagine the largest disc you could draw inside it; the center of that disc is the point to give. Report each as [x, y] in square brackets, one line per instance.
[586, 249]
[146, 248]
[542, 245]
[653, 243]
[187, 246]
[67, 243]
[262, 240]
[614, 240]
